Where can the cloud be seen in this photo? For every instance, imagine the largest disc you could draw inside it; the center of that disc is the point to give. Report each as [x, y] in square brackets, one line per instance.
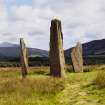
[82, 20]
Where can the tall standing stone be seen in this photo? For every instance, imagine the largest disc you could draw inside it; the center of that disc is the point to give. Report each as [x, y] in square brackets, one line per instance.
[57, 60]
[24, 58]
[77, 59]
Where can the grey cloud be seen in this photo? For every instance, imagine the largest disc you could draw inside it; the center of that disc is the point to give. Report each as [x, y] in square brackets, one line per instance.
[35, 33]
[82, 20]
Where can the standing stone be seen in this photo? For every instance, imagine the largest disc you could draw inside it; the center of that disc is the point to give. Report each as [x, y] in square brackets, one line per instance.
[24, 58]
[77, 60]
[56, 54]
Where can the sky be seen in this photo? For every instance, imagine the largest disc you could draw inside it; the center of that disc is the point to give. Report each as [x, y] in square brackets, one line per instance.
[82, 21]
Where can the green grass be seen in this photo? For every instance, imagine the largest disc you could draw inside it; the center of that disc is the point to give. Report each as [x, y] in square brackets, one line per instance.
[100, 79]
[41, 89]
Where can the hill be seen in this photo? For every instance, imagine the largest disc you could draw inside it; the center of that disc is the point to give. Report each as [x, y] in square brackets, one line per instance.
[13, 50]
[92, 48]
[93, 53]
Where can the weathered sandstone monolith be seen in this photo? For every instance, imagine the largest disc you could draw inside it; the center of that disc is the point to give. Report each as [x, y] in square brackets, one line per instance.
[77, 59]
[56, 54]
[24, 58]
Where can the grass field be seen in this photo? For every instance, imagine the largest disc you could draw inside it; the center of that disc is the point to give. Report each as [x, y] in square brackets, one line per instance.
[40, 89]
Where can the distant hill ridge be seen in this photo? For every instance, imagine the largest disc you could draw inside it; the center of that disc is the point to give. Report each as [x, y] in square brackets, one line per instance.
[7, 44]
[96, 47]
[12, 50]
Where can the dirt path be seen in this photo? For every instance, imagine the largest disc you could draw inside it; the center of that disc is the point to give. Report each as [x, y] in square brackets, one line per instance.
[74, 95]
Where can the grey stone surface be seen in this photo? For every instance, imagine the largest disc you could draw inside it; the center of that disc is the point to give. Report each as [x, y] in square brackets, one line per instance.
[24, 58]
[56, 53]
[77, 59]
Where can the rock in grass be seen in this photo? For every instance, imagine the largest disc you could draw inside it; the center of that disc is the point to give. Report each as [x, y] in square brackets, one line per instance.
[56, 54]
[24, 58]
[77, 59]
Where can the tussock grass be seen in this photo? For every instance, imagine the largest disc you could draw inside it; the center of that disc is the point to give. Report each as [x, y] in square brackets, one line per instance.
[100, 79]
[34, 91]
[34, 85]
[38, 88]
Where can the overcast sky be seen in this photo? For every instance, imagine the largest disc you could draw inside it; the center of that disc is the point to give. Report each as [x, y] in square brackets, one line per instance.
[82, 20]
